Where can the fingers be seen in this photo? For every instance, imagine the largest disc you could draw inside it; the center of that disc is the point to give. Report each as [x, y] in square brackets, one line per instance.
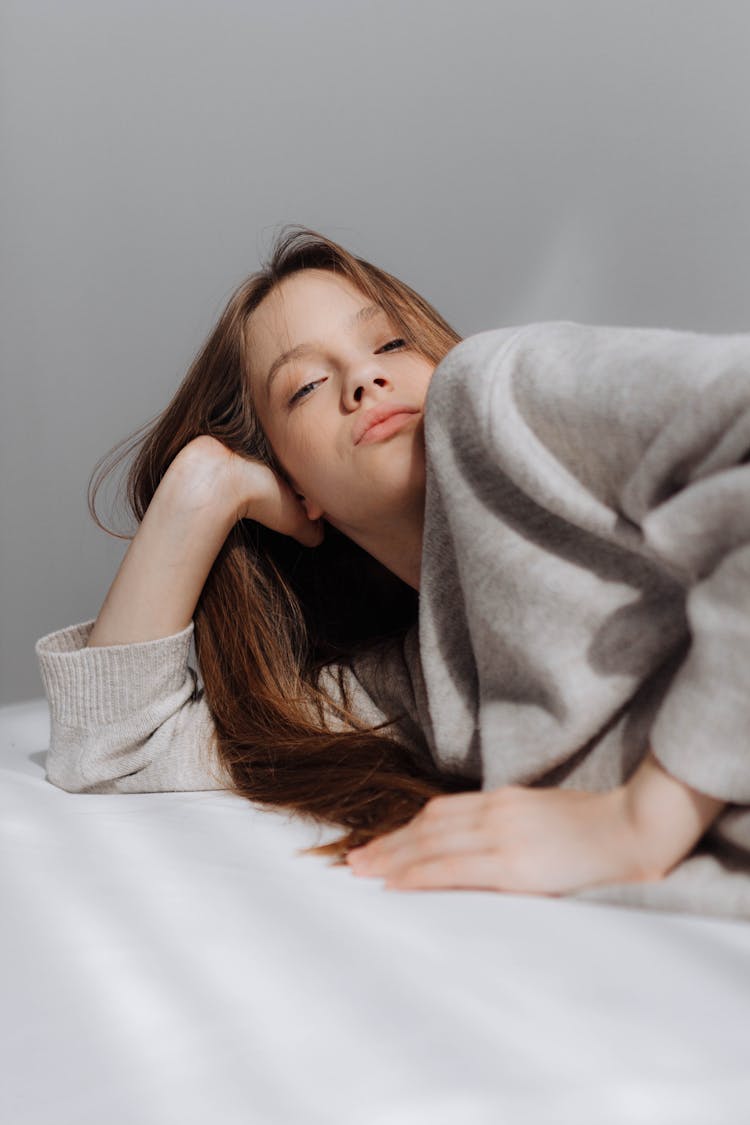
[467, 871]
[419, 841]
[452, 841]
[455, 810]
[419, 848]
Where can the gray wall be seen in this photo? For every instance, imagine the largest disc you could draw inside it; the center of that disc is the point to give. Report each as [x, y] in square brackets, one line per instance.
[513, 161]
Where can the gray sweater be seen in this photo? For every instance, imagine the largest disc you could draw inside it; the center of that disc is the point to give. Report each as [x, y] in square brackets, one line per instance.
[584, 595]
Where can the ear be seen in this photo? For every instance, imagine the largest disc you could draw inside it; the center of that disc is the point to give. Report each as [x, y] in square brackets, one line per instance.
[314, 511]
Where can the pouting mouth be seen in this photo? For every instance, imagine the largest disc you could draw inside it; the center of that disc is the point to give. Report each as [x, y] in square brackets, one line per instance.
[379, 414]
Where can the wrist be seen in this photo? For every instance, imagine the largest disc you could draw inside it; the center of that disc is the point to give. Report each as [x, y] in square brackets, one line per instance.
[665, 816]
[200, 479]
[632, 844]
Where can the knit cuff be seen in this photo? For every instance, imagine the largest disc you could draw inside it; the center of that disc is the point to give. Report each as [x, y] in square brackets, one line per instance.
[94, 686]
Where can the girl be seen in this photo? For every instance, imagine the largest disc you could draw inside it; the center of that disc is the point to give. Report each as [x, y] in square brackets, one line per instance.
[484, 604]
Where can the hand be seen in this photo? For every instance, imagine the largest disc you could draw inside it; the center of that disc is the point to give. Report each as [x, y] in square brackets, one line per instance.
[515, 839]
[254, 489]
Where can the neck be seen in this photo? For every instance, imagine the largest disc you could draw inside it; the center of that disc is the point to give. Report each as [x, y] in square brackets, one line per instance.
[403, 558]
[399, 548]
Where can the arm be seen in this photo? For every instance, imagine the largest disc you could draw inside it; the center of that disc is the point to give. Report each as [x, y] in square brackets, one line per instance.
[157, 586]
[125, 713]
[665, 816]
[126, 718]
[655, 424]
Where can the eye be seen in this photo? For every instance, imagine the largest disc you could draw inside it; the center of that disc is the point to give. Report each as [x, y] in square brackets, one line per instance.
[298, 395]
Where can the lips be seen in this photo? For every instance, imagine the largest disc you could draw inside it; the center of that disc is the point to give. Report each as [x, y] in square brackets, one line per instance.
[378, 414]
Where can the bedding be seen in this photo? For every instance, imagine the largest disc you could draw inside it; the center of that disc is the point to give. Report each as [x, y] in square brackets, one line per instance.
[171, 958]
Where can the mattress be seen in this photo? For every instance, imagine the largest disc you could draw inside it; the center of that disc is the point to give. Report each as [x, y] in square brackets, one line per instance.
[172, 958]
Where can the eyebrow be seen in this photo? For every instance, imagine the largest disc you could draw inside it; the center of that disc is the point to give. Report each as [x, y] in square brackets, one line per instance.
[361, 317]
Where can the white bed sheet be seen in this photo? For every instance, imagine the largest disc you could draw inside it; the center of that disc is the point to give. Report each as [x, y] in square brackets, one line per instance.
[169, 958]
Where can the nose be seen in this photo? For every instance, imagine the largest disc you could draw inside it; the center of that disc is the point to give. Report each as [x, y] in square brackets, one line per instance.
[359, 382]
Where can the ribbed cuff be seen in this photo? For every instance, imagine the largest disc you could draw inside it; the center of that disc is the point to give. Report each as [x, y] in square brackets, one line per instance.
[94, 686]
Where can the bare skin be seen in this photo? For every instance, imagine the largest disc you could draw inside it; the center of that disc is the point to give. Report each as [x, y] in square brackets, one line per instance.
[203, 493]
[373, 493]
[544, 841]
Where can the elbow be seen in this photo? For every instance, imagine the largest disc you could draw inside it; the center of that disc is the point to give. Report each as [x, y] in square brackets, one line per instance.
[71, 778]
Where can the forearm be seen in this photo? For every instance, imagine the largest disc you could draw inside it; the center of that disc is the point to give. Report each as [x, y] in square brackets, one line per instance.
[667, 816]
[160, 578]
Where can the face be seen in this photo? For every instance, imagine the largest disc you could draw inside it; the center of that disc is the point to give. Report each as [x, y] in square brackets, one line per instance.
[314, 408]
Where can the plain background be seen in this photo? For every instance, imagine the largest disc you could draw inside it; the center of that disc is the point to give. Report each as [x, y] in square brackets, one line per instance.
[512, 161]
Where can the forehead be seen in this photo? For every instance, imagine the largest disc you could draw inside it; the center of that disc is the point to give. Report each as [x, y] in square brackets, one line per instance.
[301, 303]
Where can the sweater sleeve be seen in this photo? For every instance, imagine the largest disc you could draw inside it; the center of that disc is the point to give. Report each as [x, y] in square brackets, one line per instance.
[655, 423]
[690, 495]
[126, 718]
[130, 718]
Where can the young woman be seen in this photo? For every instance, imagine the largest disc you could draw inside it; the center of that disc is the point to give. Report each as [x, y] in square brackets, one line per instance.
[484, 604]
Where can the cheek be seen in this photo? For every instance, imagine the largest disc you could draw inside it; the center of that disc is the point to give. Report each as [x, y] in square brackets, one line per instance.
[313, 463]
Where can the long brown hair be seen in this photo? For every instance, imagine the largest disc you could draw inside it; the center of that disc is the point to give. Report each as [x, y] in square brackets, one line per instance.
[272, 613]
